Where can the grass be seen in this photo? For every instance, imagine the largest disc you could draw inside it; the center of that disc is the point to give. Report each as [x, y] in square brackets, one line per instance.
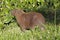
[13, 32]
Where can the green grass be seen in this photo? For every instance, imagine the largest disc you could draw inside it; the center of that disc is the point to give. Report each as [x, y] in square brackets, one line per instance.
[13, 32]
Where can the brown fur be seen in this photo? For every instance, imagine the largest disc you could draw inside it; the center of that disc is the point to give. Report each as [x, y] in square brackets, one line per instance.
[28, 20]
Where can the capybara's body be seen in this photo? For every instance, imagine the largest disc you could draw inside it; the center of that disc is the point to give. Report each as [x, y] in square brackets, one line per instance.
[28, 20]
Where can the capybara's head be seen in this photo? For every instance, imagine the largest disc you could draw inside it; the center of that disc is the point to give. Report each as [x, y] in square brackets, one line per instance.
[17, 11]
[28, 20]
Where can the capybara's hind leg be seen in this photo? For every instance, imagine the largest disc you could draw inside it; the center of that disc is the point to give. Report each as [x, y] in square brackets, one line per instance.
[42, 27]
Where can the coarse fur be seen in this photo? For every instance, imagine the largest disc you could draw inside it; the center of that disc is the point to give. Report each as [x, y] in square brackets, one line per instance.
[28, 20]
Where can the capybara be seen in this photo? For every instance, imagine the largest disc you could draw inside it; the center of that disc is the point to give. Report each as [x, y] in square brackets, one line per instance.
[28, 20]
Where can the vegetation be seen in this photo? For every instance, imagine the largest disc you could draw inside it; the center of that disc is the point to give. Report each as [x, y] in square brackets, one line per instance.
[9, 29]
[13, 32]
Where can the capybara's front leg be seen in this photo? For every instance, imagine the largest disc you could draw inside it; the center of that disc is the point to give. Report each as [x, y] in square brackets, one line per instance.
[23, 28]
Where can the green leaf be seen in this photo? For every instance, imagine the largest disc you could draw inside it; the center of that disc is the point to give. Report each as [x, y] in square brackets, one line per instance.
[1, 24]
[7, 19]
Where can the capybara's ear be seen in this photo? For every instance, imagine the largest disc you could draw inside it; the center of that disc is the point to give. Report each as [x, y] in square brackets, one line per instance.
[13, 12]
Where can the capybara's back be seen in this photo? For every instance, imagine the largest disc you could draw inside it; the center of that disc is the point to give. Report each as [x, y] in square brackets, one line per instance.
[37, 20]
[29, 20]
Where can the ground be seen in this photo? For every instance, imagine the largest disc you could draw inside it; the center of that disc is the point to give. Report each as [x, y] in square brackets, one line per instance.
[13, 32]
